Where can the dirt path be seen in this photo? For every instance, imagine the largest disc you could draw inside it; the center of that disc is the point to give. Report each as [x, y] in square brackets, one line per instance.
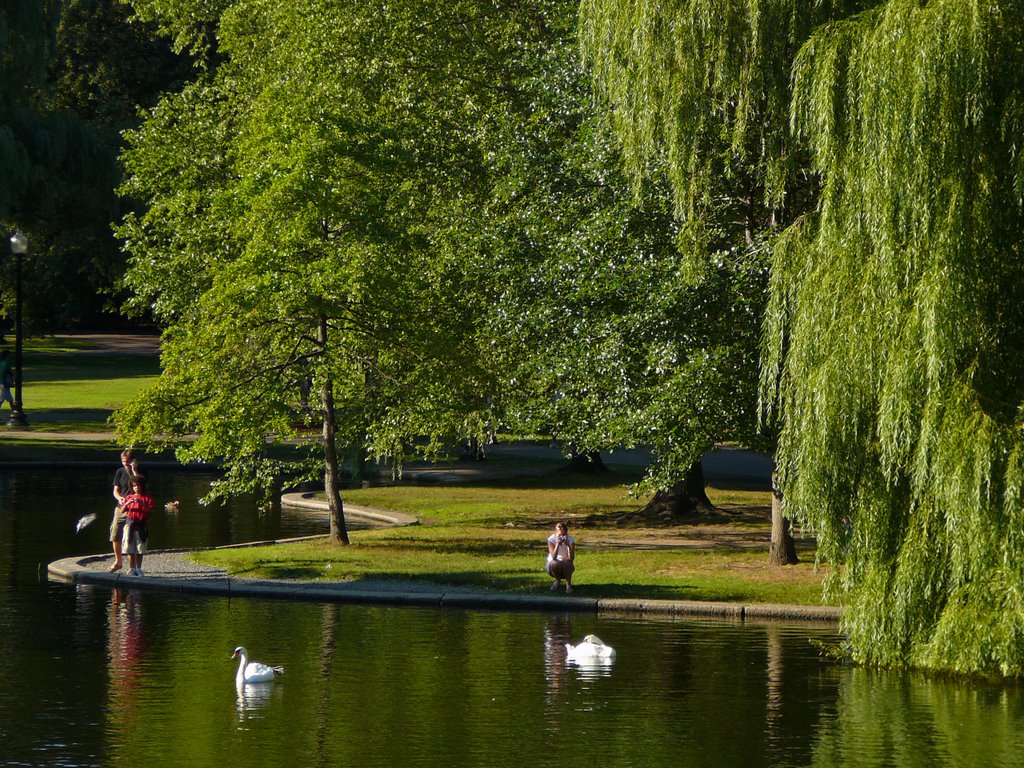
[115, 343]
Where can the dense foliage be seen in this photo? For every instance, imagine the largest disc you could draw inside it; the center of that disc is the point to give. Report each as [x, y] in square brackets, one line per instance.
[893, 337]
[72, 77]
[298, 200]
[417, 209]
[600, 331]
[910, 282]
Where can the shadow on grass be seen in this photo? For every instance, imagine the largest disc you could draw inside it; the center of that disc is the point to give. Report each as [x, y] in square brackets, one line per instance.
[54, 368]
[557, 479]
[484, 547]
[59, 416]
[521, 582]
[291, 571]
[539, 583]
[517, 581]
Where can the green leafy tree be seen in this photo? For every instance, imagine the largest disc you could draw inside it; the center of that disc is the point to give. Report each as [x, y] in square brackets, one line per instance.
[909, 280]
[299, 195]
[702, 94]
[891, 356]
[604, 336]
[599, 331]
[72, 77]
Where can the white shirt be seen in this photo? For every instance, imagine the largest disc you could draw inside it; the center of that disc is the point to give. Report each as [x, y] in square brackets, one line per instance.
[561, 550]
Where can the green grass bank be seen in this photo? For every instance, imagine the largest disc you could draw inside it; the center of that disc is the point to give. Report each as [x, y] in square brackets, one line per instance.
[492, 535]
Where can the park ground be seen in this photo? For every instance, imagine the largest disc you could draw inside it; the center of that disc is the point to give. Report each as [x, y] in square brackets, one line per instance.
[481, 523]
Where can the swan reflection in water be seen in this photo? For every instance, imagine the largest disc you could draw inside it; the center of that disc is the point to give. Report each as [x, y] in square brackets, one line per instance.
[253, 698]
[591, 669]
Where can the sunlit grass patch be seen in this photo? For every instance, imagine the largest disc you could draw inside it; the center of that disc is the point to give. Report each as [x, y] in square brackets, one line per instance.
[67, 388]
[512, 559]
[501, 503]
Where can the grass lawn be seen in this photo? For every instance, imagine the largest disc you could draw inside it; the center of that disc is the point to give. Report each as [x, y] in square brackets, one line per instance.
[70, 386]
[492, 535]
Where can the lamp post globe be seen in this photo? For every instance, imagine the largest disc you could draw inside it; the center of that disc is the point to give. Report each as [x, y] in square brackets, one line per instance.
[19, 243]
[19, 247]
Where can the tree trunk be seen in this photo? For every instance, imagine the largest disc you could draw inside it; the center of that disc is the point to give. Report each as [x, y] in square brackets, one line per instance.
[586, 463]
[683, 500]
[783, 548]
[332, 476]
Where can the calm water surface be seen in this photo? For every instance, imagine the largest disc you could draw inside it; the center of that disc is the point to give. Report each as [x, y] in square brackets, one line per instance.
[99, 677]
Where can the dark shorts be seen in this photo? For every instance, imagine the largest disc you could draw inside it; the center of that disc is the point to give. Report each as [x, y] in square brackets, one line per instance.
[560, 569]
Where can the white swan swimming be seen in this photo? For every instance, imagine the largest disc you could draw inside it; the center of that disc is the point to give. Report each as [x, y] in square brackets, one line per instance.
[590, 650]
[253, 671]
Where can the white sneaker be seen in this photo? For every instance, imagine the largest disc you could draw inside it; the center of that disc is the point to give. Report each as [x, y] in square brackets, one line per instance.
[139, 572]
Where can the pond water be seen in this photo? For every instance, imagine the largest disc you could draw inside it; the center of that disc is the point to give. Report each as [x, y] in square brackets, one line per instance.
[100, 677]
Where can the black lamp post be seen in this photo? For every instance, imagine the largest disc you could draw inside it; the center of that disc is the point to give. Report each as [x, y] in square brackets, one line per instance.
[19, 247]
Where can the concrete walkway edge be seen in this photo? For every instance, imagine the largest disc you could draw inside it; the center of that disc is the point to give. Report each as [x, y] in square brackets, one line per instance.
[90, 570]
[385, 516]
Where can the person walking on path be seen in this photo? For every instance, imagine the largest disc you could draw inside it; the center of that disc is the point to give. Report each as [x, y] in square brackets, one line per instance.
[6, 379]
[122, 487]
[561, 556]
[136, 507]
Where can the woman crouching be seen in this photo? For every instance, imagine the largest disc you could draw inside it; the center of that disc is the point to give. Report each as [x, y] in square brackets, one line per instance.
[561, 557]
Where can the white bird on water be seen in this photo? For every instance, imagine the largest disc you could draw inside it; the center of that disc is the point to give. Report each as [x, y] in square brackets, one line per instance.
[591, 649]
[253, 671]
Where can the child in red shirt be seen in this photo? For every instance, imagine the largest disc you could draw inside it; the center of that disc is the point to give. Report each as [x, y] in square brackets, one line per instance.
[136, 507]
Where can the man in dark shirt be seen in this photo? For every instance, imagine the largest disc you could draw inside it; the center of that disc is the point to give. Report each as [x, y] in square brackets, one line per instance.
[122, 487]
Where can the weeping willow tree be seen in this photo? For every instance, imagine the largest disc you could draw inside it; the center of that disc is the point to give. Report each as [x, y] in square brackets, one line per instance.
[896, 329]
[704, 90]
[892, 357]
[706, 86]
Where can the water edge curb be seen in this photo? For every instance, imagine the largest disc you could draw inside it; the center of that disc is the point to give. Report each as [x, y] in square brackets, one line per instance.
[76, 570]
